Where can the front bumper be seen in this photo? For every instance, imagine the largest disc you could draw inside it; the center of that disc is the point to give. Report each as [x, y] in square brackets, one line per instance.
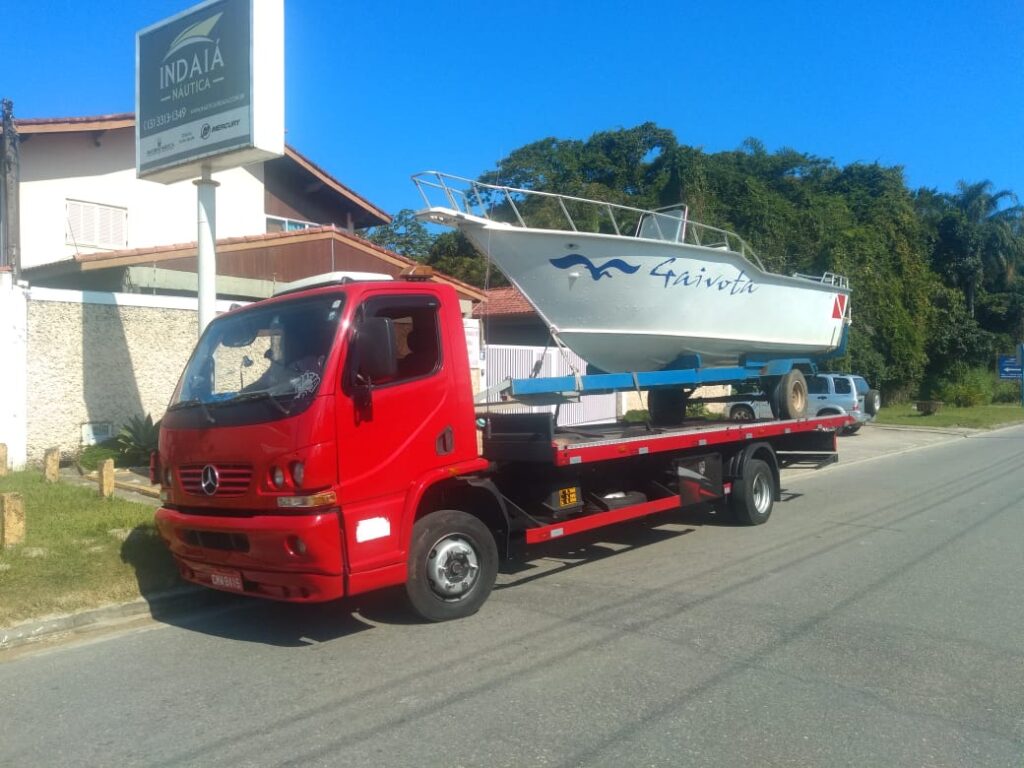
[298, 558]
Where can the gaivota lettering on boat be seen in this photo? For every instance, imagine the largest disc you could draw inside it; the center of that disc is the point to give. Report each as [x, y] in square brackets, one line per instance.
[702, 279]
[690, 278]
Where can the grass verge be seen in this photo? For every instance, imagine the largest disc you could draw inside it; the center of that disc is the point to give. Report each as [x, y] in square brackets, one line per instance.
[80, 551]
[977, 417]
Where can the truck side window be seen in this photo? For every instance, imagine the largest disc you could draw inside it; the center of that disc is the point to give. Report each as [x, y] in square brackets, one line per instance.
[417, 335]
[843, 386]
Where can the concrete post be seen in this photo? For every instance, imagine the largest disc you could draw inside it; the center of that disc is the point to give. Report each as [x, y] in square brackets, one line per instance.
[12, 520]
[51, 465]
[206, 243]
[3, 459]
[106, 478]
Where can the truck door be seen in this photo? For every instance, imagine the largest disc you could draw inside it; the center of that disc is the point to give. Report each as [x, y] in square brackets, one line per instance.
[391, 433]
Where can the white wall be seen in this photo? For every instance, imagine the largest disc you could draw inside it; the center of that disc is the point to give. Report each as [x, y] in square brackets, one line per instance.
[59, 166]
[13, 371]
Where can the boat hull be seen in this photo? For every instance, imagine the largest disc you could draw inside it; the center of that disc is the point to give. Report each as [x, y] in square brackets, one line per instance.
[632, 304]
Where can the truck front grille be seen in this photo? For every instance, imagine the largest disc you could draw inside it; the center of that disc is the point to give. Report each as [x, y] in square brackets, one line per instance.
[231, 542]
[231, 479]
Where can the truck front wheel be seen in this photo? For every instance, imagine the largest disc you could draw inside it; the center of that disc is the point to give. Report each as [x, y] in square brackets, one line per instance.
[753, 494]
[453, 562]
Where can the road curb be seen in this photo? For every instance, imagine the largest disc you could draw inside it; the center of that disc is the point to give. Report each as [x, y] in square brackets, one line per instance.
[172, 602]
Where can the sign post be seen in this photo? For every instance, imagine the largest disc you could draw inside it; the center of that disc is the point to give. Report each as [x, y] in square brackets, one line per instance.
[209, 95]
[1020, 364]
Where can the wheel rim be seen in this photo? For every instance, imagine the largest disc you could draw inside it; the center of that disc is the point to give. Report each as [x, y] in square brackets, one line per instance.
[761, 493]
[743, 414]
[453, 567]
[797, 398]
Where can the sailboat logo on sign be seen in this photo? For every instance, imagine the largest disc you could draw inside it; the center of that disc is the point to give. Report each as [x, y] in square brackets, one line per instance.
[839, 307]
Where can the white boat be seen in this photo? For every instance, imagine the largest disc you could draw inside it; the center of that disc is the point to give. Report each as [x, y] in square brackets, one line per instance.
[636, 290]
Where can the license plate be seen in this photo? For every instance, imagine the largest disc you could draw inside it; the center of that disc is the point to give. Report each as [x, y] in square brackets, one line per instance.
[226, 580]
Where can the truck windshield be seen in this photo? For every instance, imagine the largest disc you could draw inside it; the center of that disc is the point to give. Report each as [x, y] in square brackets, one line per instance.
[275, 353]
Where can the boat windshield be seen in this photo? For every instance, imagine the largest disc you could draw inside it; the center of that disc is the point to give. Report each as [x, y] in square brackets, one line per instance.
[667, 225]
[275, 353]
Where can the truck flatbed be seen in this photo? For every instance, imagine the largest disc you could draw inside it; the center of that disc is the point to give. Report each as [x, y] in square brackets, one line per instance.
[533, 437]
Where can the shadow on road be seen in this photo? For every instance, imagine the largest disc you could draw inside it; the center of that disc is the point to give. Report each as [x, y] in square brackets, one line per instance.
[257, 620]
[248, 619]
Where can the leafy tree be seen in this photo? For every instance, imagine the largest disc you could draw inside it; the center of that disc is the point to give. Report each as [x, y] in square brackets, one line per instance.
[405, 235]
[454, 255]
[978, 239]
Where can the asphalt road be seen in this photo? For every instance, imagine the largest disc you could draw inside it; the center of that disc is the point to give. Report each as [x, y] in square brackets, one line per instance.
[876, 620]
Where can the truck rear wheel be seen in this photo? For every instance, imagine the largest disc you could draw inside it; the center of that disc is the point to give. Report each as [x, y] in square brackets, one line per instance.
[453, 562]
[753, 494]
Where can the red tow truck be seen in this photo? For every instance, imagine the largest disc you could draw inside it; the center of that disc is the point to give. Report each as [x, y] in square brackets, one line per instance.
[324, 442]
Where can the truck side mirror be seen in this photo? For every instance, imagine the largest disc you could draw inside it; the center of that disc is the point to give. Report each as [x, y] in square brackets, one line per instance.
[377, 350]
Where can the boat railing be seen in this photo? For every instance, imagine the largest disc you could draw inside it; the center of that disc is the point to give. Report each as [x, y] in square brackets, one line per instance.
[829, 278]
[534, 209]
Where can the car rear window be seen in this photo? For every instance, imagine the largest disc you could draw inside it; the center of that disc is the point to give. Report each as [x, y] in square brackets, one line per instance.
[861, 384]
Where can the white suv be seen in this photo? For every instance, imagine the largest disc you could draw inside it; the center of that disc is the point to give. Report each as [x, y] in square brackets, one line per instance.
[828, 394]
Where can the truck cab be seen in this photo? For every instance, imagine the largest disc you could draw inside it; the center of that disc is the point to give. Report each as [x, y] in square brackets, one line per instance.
[316, 418]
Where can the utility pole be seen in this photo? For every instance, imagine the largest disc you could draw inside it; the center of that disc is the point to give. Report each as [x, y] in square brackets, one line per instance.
[10, 173]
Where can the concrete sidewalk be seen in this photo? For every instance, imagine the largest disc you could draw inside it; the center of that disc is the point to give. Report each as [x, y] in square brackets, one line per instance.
[174, 602]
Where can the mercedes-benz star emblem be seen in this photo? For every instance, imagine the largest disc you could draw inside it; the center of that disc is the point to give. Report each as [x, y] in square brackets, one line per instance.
[210, 480]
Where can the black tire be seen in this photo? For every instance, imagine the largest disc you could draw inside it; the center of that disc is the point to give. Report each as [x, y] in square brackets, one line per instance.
[872, 402]
[753, 494]
[741, 412]
[789, 397]
[453, 562]
[853, 429]
[666, 406]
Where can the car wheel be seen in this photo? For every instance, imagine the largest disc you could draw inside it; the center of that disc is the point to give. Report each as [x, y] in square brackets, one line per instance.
[741, 412]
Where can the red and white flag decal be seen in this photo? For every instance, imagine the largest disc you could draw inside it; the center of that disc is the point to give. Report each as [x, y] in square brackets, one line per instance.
[839, 308]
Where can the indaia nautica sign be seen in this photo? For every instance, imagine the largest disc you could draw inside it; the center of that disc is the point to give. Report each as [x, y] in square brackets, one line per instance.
[209, 89]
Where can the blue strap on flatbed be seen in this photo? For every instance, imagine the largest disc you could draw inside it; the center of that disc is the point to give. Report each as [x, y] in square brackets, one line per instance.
[618, 382]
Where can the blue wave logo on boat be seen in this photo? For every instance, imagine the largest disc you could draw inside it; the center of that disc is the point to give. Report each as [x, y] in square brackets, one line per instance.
[596, 271]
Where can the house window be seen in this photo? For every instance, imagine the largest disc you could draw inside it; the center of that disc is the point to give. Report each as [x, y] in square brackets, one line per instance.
[281, 224]
[94, 225]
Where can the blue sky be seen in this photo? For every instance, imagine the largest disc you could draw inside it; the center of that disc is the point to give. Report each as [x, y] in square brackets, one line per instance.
[378, 91]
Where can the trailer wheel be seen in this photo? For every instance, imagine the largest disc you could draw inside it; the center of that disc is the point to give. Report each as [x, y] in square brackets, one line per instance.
[453, 562]
[789, 397]
[753, 494]
[667, 406]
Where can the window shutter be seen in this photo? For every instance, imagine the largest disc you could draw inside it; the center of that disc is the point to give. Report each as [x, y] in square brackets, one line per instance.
[94, 225]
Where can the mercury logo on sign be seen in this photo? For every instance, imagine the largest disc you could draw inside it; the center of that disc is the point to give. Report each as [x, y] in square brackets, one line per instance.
[190, 72]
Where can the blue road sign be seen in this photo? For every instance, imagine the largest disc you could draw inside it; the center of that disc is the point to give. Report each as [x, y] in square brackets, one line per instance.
[1009, 367]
